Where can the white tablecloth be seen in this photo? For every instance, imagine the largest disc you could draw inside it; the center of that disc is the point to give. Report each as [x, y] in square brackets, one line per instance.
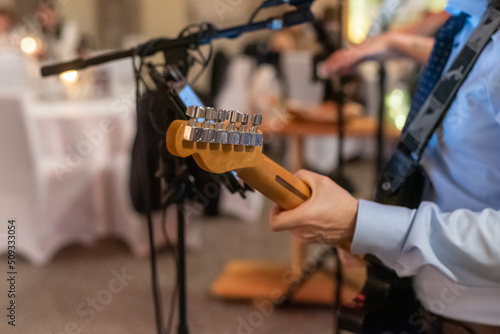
[95, 137]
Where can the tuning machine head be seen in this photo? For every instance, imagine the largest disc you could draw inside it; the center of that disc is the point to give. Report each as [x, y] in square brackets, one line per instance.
[234, 135]
[246, 137]
[207, 126]
[194, 113]
[221, 134]
[193, 132]
[256, 121]
[257, 137]
[213, 131]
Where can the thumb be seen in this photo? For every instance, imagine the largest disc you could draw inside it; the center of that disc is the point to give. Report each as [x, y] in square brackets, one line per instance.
[309, 178]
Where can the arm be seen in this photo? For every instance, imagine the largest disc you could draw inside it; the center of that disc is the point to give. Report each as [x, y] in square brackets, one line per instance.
[463, 244]
[414, 41]
[427, 26]
[388, 45]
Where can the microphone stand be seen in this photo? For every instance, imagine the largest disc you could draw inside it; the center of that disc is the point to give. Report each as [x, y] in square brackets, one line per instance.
[175, 52]
[192, 41]
[380, 119]
[380, 26]
[333, 91]
[179, 190]
[338, 97]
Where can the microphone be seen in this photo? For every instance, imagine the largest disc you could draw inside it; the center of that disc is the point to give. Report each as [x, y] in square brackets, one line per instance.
[296, 3]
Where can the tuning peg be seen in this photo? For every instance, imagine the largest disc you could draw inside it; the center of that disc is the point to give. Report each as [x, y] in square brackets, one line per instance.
[208, 133]
[257, 137]
[246, 137]
[221, 117]
[256, 120]
[234, 135]
[192, 132]
[244, 121]
[221, 136]
[233, 117]
[195, 112]
[210, 114]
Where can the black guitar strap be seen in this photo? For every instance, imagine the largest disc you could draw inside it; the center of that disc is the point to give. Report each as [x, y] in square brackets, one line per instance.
[417, 134]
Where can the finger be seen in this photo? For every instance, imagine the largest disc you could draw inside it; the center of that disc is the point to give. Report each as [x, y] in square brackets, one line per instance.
[323, 70]
[281, 220]
[275, 211]
[313, 180]
[273, 216]
[308, 177]
[333, 66]
[335, 62]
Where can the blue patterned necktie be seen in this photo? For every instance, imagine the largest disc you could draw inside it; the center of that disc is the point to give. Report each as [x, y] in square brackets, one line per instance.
[437, 62]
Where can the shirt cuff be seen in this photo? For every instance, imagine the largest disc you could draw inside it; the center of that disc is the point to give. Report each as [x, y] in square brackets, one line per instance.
[381, 230]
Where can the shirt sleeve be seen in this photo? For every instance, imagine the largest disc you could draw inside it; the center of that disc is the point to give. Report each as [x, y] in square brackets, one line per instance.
[462, 244]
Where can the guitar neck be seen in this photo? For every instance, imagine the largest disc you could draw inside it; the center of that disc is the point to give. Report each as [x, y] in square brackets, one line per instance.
[276, 183]
[279, 185]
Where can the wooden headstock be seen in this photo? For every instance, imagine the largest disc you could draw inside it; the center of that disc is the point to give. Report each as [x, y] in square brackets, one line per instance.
[230, 141]
[216, 145]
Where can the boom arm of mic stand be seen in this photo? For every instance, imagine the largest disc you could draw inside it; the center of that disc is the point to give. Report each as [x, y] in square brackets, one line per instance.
[299, 16]
[80, 64]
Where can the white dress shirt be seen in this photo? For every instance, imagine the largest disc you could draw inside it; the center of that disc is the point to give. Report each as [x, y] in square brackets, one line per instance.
[451, 243]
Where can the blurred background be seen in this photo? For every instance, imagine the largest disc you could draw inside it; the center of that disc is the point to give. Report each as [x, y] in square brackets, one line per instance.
[66, 146]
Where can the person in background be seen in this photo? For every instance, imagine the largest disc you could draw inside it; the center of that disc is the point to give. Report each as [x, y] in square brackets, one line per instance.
[8, 37]
[61, 37]
[413, 41]
[450, 243]
[6, 21]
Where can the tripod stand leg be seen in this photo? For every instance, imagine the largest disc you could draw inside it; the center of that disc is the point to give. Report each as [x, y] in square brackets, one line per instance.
[181, 273]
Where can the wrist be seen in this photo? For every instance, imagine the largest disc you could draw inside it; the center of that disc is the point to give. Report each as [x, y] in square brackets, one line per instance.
[348, 235]
[352, 225]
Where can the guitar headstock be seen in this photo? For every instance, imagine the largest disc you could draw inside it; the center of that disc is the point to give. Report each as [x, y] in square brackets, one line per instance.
[222, 142]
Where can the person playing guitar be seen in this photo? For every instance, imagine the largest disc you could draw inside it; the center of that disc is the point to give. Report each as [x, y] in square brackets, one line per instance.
[449, 243]
[443, 185]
